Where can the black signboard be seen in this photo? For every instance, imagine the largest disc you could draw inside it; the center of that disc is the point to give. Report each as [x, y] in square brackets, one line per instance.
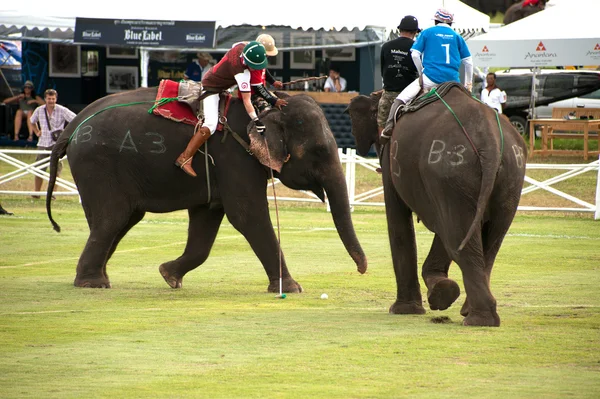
[134, 32]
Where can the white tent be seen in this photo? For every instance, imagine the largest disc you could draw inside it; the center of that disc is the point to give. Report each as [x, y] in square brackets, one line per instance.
[566, 34]
[55, 20]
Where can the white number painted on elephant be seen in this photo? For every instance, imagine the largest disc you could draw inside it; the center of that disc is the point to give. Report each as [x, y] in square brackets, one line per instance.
[437, 152]
[396, 167]
[161, 140]
[518, 151]
[125, 145]
[84, 134]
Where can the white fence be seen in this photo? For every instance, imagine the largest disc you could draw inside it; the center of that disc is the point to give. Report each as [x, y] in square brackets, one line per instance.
[350, 161]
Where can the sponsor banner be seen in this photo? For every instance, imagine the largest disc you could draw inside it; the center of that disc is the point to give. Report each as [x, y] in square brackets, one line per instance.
[538, 53]
[132, 32]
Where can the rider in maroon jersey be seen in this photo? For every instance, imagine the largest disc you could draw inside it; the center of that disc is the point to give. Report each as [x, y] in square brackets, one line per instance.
[243, 65]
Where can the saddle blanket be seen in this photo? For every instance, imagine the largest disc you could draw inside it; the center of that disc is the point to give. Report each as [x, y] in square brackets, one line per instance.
[174, 110]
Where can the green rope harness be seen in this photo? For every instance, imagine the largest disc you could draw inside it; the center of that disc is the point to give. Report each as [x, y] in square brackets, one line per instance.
[105, 109]
[162, 101]
[461, 125]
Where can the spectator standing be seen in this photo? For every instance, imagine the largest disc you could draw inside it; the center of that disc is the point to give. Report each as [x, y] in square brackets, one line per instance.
[196, 70]
[492, 95]
[48, 119]
[437, 54]
[28, 101]
[397, 67]
[335, 83]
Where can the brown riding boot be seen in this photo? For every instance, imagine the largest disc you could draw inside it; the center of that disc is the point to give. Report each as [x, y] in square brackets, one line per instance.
[184, 161]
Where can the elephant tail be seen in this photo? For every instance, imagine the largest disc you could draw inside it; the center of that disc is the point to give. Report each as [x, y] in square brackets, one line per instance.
[59, 150]
[489, 170]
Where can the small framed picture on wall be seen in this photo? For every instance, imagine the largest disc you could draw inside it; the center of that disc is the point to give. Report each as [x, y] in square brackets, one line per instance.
[122, 52]
[64, 61]
[121, 78]
[339, 53]
[302, 59]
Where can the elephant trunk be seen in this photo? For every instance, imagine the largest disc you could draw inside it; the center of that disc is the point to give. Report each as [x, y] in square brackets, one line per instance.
[337, 194]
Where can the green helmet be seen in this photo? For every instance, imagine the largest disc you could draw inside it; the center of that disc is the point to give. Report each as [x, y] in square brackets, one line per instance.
[255, 55]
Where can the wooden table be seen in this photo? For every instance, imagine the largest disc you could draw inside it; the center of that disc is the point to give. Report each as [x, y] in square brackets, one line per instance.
[323, 97]
[564, 129]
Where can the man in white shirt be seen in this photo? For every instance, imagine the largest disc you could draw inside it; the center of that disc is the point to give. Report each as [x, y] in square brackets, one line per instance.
[492, 95]
[335, 83]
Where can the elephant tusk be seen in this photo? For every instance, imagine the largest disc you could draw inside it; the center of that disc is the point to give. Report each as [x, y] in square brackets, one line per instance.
[287, 158]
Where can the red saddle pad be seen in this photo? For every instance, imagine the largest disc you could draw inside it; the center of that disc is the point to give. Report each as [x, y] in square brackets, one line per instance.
[174, 110]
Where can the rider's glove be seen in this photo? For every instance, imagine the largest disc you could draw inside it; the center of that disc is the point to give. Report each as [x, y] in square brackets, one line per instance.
[260, 127]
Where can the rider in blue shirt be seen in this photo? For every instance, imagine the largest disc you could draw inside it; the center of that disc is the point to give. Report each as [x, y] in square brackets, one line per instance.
[437, 54]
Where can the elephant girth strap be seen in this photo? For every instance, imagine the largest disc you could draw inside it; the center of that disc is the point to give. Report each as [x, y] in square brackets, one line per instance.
[223, 126]
[224, 101]
[431, 96]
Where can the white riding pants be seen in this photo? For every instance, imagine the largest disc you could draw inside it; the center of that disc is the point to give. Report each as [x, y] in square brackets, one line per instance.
[410, 92]
[211, 112]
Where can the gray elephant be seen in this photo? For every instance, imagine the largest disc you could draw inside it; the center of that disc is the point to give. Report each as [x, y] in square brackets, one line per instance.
[451, 165]
[122, 160]
[523, 9]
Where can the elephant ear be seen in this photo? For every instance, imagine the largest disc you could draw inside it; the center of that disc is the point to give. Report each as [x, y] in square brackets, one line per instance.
[269, 148]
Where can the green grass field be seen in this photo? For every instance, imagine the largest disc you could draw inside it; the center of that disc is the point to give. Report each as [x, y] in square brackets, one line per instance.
[223, 336]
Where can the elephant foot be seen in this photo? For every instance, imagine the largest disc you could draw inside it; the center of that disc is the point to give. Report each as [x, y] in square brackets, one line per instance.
[482, 319]
[288, 285]
[173, 280]
[464, 311]
[443, 294]
[407, 308]
[100, 282]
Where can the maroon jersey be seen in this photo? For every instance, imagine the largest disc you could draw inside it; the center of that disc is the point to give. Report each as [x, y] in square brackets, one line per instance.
[222, 75]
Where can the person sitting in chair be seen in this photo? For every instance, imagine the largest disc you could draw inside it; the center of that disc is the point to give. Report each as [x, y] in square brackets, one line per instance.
[28, 101]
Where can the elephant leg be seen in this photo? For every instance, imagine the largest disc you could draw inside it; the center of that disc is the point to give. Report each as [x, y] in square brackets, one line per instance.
[133, 220]
[441, 291]
[104, 230]
[203, 228]
[252, 220]
[481, 303]
[404, 252]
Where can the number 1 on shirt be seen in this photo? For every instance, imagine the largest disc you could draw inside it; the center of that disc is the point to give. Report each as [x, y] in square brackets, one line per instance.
[447, 46]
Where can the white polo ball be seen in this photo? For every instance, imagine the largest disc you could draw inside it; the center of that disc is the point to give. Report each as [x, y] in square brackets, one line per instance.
[324, 296]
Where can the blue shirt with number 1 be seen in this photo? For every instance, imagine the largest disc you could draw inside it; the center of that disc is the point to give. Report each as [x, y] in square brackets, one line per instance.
[442, 51]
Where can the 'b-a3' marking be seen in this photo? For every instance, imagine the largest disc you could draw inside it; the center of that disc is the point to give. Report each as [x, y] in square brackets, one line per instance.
[438, 152]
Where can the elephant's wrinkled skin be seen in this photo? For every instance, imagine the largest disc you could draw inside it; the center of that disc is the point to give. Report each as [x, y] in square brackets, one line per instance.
[122, 161]
[429, 167]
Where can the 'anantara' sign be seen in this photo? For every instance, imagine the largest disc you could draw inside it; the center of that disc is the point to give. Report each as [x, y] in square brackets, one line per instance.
[134, 32]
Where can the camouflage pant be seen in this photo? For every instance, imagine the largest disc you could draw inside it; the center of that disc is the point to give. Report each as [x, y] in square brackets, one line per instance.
[383, 108]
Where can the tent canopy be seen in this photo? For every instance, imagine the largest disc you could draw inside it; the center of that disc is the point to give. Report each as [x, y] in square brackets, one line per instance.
[566, 34]
[42, 19]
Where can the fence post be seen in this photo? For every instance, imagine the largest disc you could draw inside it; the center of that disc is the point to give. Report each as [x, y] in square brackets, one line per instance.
[597, 214]
[352, 187]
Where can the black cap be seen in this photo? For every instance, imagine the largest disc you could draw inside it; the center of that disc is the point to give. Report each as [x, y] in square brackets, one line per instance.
[409, 23]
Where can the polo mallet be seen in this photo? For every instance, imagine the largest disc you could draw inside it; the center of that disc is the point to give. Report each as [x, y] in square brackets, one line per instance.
[305, 80]
[281, 295]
